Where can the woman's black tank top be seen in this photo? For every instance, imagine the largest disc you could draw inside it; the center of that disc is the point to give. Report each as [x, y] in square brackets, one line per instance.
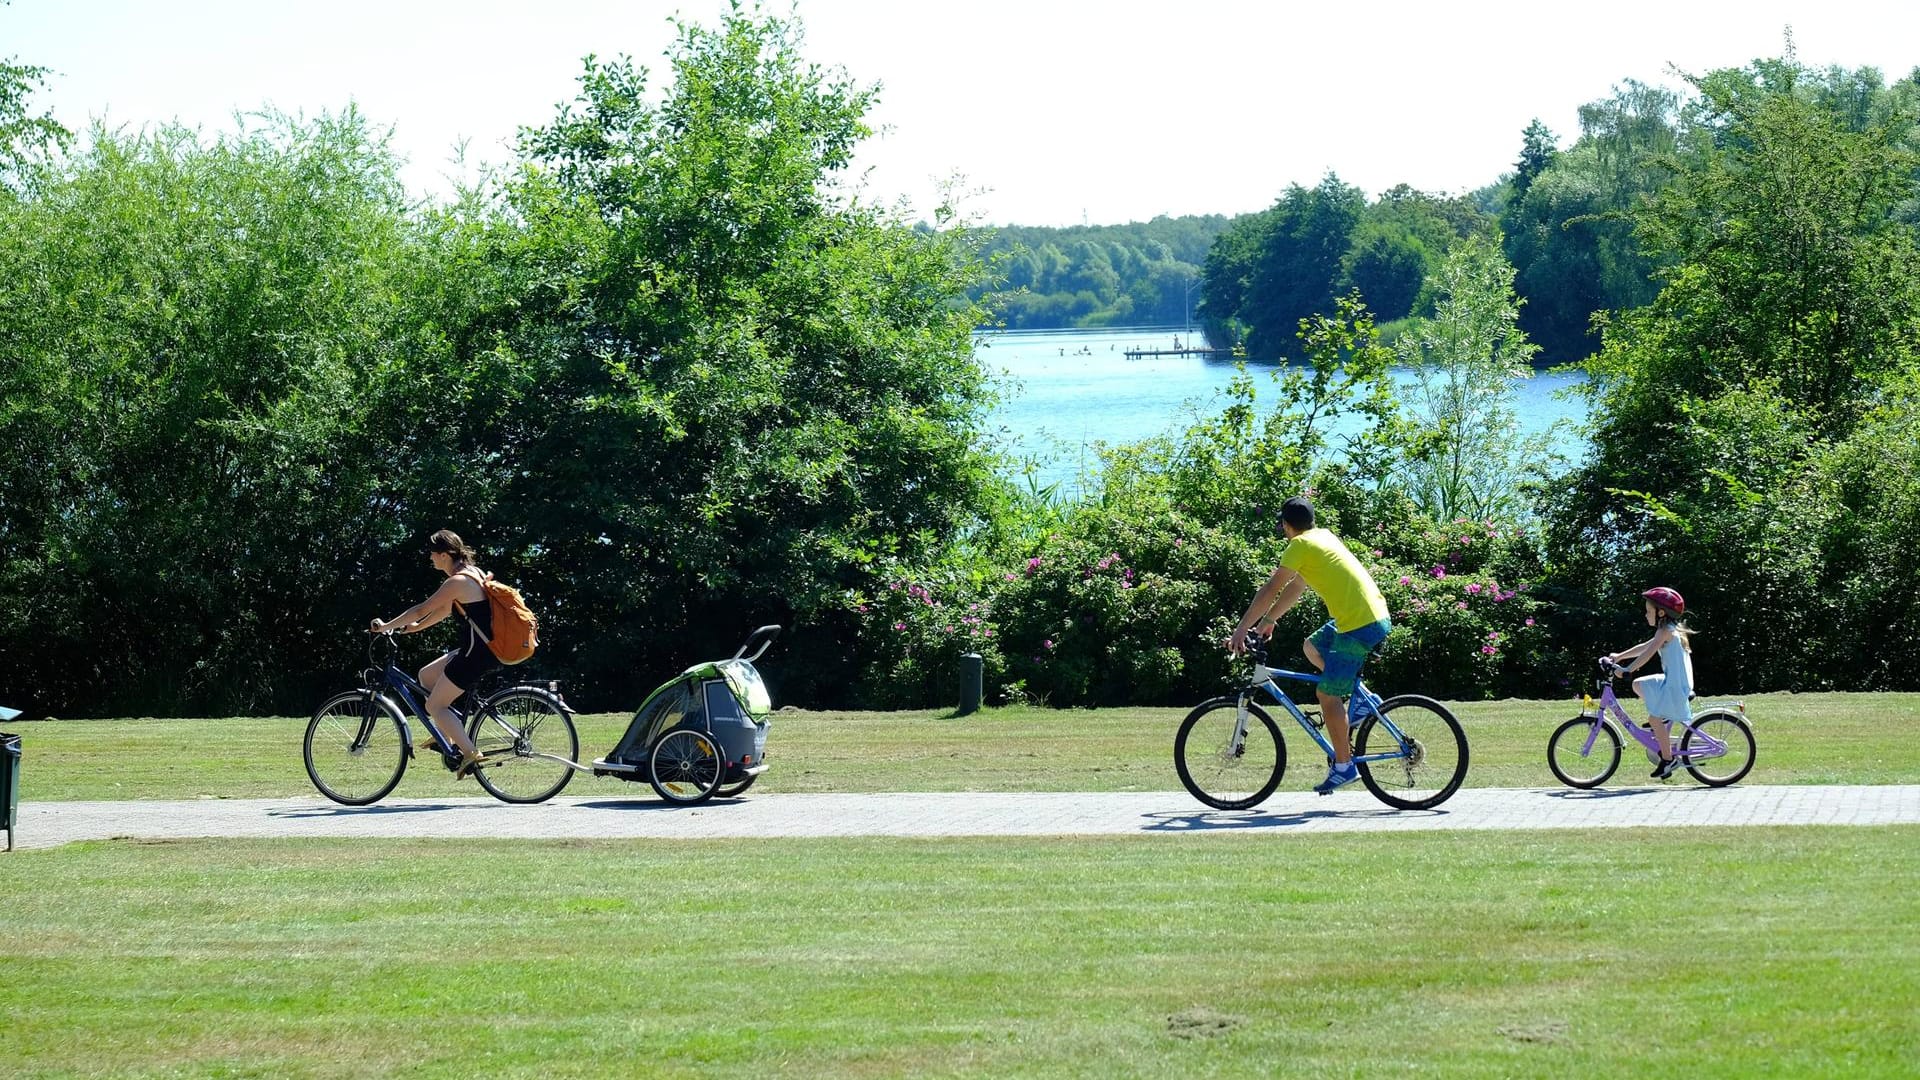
[477, 613]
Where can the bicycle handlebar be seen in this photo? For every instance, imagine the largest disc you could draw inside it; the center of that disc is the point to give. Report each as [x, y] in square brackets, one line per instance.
[1256, 647]
[373, 642]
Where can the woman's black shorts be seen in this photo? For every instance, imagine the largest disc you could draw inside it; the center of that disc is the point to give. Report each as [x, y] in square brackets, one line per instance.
[464, 670]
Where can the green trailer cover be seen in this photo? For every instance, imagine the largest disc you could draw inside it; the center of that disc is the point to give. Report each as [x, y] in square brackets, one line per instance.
[679, 703]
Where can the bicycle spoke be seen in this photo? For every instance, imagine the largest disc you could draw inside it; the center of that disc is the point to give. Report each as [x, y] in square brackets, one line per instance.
[1429, 748]
[1577, 764]
[513, 729]
[353, 749]
[1223, 772]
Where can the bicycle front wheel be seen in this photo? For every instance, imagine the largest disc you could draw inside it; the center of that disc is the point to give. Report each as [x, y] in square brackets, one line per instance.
[355, 750]
[1224, 772]
[1573, 762]
[1728, 727]
[522, 731]
[1430, 753]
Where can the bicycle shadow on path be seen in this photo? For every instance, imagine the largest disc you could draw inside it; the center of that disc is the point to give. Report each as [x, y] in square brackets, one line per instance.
[1217, 820]
[655, 804]
[360, 811]
[1616, 793]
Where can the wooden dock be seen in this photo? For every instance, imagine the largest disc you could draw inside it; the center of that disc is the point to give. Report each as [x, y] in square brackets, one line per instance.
[1136, 354]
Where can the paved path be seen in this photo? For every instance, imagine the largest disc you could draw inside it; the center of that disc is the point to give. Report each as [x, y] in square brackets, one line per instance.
[47, 824]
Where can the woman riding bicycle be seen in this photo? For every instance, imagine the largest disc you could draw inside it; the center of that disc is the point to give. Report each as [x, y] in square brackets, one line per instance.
[459, 670]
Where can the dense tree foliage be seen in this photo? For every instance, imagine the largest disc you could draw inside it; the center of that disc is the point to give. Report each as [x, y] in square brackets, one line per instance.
[1567, 219]
[675, 380]
[1271, 270]
[1142, 274]
[1737, 410]
[667, 377]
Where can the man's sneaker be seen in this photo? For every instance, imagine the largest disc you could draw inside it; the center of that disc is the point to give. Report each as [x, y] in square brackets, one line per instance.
[1338, 776]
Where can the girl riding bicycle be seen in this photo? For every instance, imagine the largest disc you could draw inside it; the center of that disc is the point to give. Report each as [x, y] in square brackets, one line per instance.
[1667, 694]
[460, 670]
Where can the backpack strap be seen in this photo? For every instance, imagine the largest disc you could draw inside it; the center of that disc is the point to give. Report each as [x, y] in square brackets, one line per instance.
[481, 578]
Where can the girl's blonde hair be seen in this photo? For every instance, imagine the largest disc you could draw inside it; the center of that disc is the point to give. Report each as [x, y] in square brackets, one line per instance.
[1680, 630]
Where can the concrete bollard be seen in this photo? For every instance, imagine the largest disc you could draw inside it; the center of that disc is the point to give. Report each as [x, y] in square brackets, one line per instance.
[972, 676]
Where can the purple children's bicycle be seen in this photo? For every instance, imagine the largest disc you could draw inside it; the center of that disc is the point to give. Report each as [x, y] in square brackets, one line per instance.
[1716, 746]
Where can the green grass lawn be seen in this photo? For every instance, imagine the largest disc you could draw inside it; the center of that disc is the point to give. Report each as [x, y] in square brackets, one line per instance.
[1727, 952]
[1803, 739]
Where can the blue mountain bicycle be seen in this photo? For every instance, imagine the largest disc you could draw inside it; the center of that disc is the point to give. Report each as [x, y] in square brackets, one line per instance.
[1410, 750]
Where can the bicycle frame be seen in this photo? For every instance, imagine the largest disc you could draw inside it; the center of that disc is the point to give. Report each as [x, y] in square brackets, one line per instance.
[414, 696]
[411, 694]
[1362, 704]
[1609, 707]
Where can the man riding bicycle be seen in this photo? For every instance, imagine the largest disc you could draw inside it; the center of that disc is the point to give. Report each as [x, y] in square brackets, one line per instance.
[1316, 559]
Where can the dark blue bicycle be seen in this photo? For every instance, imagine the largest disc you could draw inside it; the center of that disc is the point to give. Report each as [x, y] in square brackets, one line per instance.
[1410, 750]
[359, 741]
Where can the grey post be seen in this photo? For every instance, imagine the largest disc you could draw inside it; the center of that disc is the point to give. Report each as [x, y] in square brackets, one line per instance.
[972, 673]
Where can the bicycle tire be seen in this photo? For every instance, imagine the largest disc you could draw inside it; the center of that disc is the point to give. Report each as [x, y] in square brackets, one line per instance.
[510, 727]
[1741, 736]
[1216, 761]
[685, 766]
[1605, 752]
[1438, 734]
[347, 728]
[728, 791]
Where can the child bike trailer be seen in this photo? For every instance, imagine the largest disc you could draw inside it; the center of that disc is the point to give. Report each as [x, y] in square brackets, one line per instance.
[702, 734]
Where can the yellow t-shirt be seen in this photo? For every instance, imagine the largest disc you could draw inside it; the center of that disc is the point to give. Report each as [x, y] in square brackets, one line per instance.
[1332, 572]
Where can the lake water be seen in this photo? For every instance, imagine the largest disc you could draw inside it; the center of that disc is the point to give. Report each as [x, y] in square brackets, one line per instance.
[1070, 388]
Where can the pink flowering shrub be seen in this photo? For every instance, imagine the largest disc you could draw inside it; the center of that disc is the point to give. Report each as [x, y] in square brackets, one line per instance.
[1117, 608]
[912, 632]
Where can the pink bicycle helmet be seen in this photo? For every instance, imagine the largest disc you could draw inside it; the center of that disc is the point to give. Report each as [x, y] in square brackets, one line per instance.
[1666, 598]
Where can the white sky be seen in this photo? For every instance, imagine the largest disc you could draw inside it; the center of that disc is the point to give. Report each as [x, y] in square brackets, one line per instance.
[1056, 110]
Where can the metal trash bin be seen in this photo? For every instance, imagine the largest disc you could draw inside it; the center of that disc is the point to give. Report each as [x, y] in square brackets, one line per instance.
[9, 782]
[971, 672]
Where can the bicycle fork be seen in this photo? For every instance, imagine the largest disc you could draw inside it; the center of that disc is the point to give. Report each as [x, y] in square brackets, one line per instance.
[369, 714]
[1237, 744]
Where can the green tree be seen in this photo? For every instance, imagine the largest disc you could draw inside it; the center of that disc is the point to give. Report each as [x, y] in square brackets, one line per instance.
[199, 341]
[1787, 317]
[1538, 149]
[24, 137]
[1399, 242]
[752, 389]
[1569, 227]
[1470, 457]
[1273, 269]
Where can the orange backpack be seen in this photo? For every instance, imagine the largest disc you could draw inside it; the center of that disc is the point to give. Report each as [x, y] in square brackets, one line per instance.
[516, 632]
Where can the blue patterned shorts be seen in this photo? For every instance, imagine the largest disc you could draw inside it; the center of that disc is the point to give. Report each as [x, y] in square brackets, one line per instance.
[1345, 653]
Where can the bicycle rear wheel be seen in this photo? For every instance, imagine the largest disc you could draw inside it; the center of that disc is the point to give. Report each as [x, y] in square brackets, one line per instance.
[354, 749]
[514, 728]
[1220, 773]
[1730, 728]
[1432, 758]
[1573, 763]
